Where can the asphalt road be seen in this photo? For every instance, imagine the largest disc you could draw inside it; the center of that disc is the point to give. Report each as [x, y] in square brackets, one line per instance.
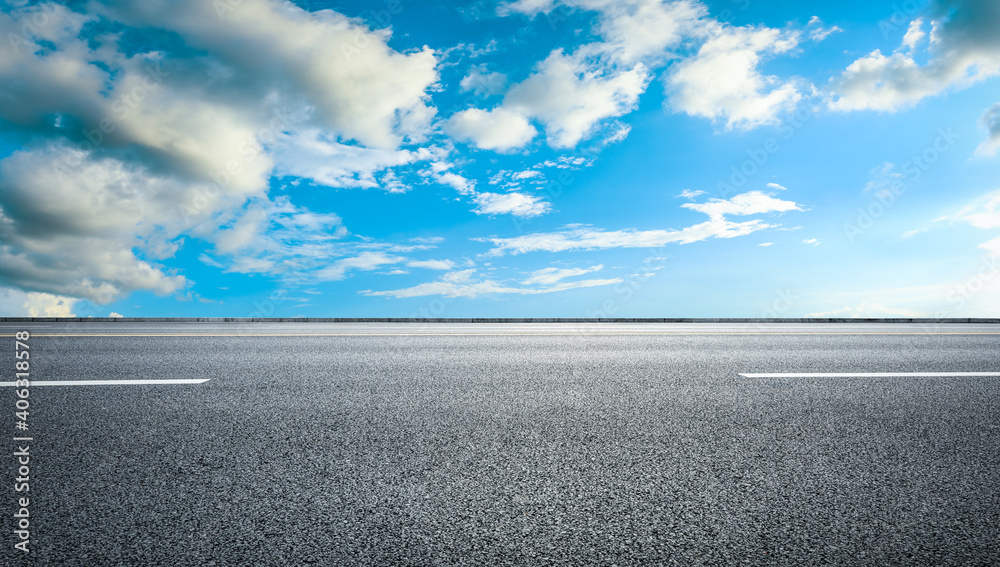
[451, 444]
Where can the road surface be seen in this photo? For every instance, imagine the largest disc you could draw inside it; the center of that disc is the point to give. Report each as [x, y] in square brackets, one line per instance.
[507, 444]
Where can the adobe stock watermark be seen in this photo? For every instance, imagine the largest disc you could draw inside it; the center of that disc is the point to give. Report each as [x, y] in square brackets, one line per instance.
[268, 306]
[912, 170]
[123, 106]
[740, 174]
[989, 266]
[727, 13]
[784, 300]
[250, 149]
[22, 486]
[626, 290]
[31, 24]
[361, 38]
[553, 189]
[902, 14]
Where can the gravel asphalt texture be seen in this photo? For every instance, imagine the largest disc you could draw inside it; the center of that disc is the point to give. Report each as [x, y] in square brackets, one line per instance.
[409, 444]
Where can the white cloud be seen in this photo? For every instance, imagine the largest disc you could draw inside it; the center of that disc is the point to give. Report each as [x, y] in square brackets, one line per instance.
[983, 212]
[177, 145]
[569, 97]
[766, 244]
[465, 284]
[914, 34]
[440, 171]
[517, 204]
[964, 49]
[432, 264]
[456, 182]
[242, 233]
[428, 239]
[992, 246]
[571, 94]
[316, 155]
[529, 7]
[499, 129]
[752, 203]
[718, 226]
[991, 122]
[776, 187]
[69, 225]
[639, 30]
[632, 30]
[817, 32]
[356, 85]
[526, 174]
[867, 310]
[299, 246]
[17, 303]
[812, 241]
[690, 194]
[722, 82]
[483, 83]
[366, 261]
[115, 315]
[549, 276]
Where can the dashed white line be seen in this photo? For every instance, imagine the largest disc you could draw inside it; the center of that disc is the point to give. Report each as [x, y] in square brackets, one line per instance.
[867, 374]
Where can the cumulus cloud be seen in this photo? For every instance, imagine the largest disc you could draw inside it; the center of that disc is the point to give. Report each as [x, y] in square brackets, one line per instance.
[722, 81]
[517, 204]
[69, 225]
[466, 283]
[482, 82]
[569, 97]
[752, 203]
[964, 49]
[347, 74]
[631, 30]
[914, 34]
[991, 122]
[134, 147]
[17, 303]
[718, 226]
[499, 129]
[574, 94]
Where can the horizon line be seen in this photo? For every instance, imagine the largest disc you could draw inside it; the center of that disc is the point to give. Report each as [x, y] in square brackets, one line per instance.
[977, 320]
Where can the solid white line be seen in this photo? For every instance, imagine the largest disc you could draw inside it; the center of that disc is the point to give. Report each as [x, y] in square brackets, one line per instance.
[34, 383]
[865, 374]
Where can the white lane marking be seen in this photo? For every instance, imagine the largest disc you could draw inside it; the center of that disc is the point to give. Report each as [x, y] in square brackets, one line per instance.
[865, 374]
[34, 383]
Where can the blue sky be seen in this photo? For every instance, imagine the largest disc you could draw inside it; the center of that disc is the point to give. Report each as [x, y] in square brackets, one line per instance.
[575, 158]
